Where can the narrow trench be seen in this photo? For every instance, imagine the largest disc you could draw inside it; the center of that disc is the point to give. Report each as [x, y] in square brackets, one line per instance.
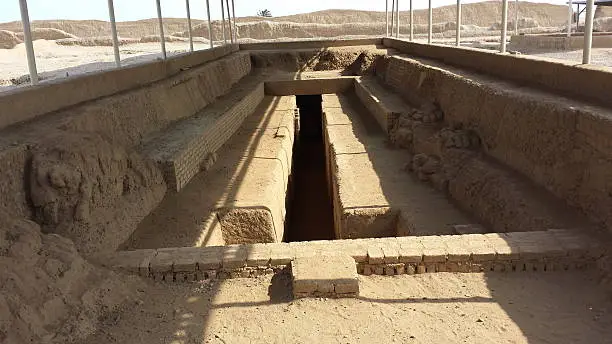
[310, 210]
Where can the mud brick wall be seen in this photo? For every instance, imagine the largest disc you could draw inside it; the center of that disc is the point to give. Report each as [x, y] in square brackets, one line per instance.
[562, 144]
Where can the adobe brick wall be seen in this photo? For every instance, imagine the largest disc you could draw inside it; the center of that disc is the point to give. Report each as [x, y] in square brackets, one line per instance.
[26, 103]
[559, 143]
[588, 82]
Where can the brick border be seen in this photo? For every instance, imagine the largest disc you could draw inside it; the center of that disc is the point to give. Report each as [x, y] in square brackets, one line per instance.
[552, 250]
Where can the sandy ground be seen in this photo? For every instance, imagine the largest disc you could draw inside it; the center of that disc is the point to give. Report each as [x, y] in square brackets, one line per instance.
[429, 308]
[53, 60]
[599, 56]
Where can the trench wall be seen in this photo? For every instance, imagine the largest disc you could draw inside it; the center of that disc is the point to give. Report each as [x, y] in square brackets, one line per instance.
[23, 104]
[588, 82]
[559, 143]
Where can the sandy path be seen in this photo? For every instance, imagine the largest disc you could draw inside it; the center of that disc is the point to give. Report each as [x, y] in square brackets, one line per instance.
[428, 308]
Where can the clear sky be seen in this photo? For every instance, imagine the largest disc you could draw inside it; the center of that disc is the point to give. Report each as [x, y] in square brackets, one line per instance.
[142, 9]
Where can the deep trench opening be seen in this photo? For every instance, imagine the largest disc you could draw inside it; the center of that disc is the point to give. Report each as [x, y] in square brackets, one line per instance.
[310, 209]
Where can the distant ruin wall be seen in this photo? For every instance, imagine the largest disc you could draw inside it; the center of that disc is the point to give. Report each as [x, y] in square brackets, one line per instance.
[23, 104]
[584, 81]
[559, 144]
[529, 43]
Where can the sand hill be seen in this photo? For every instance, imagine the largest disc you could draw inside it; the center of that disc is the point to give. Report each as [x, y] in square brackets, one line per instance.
[328, 23]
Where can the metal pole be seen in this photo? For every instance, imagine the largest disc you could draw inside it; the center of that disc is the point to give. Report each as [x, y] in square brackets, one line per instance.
[430, 20]
[397, 18]
[411, 22]
[235, 27]
[588, 32]
[210, 33]
[229, 19]
[458, 33]
[392, 16]
[516, 17]
[27, 37]
[223, 22]
[111, 14]
[504, 29]
[161, 29]
[387, 17]
[570, 14]
[189, 28]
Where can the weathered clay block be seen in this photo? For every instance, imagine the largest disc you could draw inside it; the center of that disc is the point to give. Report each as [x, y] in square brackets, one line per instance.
[325, 276]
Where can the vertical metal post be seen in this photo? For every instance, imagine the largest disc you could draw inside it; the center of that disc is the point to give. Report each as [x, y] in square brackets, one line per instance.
[229, 20]
[458, 29]
[392, 16]
[161, 29]
[411, 22]
[111, 14]
[430, 20]
[235, 27]
[588, 32]
[504, 23]
[387, 17]
[516, 17]
[397, 19]
[223, 22]
[189, 26]
[210, 33]
[570, 14]
[27, 37]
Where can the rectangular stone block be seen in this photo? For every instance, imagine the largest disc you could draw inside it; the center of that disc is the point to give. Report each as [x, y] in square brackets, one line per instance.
[258, 255]
[280, 254]
[234, 257]
[325, 276]
[375, 255]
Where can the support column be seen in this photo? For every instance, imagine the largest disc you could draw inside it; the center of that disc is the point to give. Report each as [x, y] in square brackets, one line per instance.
[161, 29]
[516, 17]
[111, 15]
[430, 24]
[570, 15]
[223, 22]
[458, 29]
[27, 37]
[588, 32]
[392, 16]
[189, 26]
[234, 20]
[229, 19]
[504, 29]
[397, 19]
[411, 22]
[210, 33]
[387, 17]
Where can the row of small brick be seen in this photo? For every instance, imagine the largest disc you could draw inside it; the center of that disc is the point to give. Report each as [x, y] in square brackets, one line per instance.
[463, 253]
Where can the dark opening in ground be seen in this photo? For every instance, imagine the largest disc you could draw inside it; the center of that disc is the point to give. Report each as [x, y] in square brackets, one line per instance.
[310, 210]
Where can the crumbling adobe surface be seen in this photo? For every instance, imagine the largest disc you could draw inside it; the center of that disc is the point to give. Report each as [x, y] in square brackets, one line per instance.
[351, 60]
[48, 292]
[555, 143]
[90, 190]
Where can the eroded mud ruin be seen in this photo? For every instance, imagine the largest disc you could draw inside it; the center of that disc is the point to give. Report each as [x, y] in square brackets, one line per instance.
[320, 161]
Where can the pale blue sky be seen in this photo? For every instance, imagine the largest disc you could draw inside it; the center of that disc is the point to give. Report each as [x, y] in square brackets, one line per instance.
[141, 9]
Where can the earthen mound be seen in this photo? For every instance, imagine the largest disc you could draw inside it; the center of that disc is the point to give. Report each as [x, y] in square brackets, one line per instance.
[49, 34]
[91, 191]
[48, 292]
[8, 39]
[95, 41]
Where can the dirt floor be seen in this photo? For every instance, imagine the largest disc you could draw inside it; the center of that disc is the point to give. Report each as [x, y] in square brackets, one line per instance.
[427, 308]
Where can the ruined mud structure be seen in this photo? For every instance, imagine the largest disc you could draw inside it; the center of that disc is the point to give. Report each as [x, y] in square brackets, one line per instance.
[326, 160]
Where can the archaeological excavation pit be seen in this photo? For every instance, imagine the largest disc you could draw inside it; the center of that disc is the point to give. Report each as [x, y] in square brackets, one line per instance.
[345, 158]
